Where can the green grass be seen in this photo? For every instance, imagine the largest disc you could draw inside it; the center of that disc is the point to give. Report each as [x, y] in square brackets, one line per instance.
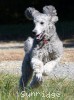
[52, 89]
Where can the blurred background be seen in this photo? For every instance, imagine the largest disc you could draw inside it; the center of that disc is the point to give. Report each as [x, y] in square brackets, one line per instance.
[15, 26]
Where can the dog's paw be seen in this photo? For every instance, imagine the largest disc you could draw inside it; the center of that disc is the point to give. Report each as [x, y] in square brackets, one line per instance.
[39, 77]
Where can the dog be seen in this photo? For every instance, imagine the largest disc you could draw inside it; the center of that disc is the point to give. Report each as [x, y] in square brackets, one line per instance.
[43, 52]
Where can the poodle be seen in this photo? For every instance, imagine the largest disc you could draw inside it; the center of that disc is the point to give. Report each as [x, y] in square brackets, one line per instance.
[44, 51]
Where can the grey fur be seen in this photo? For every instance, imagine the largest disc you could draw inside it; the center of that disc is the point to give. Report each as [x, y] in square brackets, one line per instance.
[41, 57]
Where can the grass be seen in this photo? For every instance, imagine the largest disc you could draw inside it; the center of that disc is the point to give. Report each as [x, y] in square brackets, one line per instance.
[52, 89]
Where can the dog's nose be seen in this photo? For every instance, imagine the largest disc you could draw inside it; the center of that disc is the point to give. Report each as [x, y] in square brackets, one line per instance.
[34, 32]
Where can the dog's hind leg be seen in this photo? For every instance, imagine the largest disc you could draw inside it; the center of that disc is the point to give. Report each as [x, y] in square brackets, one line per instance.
[26, 73]
[48, 67]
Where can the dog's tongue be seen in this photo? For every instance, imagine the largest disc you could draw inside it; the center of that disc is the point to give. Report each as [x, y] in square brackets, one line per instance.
[38, 37]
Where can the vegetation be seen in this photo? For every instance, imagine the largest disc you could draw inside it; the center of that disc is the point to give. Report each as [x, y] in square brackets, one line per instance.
[52, 89]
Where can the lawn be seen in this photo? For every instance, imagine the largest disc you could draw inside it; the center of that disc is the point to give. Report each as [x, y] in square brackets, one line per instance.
[52, 89]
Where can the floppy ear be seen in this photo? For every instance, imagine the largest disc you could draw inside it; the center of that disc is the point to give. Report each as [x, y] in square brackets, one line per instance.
[30, 13]
[51, 11]
[54, 19]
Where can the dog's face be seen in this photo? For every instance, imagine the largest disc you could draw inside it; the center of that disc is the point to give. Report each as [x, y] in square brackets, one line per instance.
[43, 21]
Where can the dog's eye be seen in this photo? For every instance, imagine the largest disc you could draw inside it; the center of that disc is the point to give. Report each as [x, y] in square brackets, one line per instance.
[41, 23]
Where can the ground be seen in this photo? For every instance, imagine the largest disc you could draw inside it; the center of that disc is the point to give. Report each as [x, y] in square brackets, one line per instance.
[12, 54]
[57, 88]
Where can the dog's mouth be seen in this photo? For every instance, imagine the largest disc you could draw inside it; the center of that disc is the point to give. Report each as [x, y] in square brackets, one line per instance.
[40, 36]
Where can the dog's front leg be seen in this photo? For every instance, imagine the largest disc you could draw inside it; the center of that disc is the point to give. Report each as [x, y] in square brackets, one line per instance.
[37, 67]
[48, 67]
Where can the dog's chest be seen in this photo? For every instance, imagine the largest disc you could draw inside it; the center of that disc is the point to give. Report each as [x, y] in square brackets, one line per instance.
[43, 53]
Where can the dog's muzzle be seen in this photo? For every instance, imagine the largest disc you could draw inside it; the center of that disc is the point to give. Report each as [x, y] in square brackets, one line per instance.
[40, 36]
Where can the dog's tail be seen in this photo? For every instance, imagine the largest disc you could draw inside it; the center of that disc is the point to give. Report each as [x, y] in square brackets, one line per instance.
[28, 44]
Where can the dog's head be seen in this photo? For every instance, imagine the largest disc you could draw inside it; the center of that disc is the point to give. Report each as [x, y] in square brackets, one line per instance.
[44, 22]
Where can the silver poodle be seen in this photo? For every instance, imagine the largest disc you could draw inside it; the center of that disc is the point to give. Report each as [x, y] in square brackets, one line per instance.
[44, 51]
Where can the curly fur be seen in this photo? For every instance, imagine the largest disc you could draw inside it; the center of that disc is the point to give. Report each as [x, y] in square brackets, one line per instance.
[44, 51]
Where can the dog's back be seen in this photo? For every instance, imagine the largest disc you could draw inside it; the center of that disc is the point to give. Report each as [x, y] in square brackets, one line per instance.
[28, 44]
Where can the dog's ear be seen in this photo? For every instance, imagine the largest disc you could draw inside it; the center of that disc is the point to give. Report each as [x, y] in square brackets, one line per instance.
[30, 13]
[54, 19]
[51, 11]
